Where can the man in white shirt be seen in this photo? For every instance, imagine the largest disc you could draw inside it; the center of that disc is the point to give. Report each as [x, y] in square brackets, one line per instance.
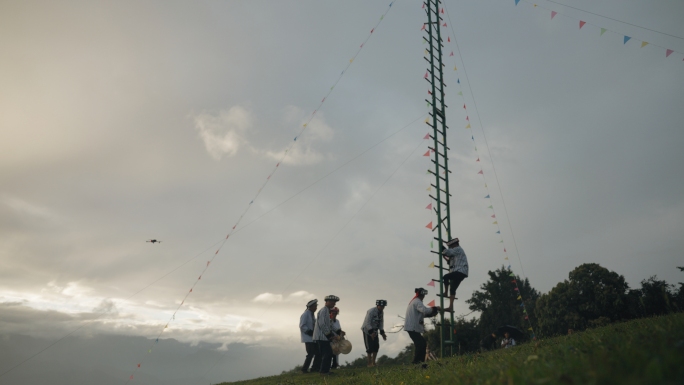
[306, 329]
[458, 270]
[413, 323]
[507, 341]
[373, 324]
[323, 334]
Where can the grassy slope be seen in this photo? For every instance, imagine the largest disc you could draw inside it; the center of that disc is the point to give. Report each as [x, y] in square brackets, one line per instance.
[646, 351]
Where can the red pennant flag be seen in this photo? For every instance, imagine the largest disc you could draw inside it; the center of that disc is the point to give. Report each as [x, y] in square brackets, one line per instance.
[448, 39]
[553, 14]
[513, 281]
[190, 290]
[668, 52]
[234, 227]
[526, 317]
[138, 365]
[423, 7]
[427, 136]
[467, 118]
[432, 303]
[208, 262]
[504, 249]
[131, 377]
[582, 23]
[478, 159]
[278, 164]
[452, 53]
[442, 11]
[429, 207]
[429, 92]
[427, 153]
[216, 252]
[481, 172]
[425, 75]
[372, 30]
[429, 226]
[361, 46]
[200, 277]
[494, 216]
[422, 28]
[432, 283]
[464, 107]
[444, 25]
[516, 289]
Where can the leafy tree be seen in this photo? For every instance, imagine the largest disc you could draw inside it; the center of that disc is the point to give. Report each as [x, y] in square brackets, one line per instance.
[657, 297]
[466, 336]
[499, 304]
[592, 296]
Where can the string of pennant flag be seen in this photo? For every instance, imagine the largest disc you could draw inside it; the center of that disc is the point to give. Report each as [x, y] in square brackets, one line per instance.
[602, 30]
[493, 213]
[256, 195]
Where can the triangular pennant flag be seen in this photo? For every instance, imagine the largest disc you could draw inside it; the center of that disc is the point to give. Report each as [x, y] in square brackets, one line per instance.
[501, 241]
[448, 39]
[478, 159]
[427, 136]
[498, 232]
[429, 207]
[432, 303]
[512, 275]
[432, 246]
[526, 317]
[644, 44]
[426, 52]
[504, 249]
[468, 126]
[516, 2]
[372, 30]
[429, 188]
[668, 52]
[426, 74]
[493, 216]
[444, 25]
[351, 60]
[472, 137]
[467, 118]
[481, 172]
[422, 28]
[442, 11]
[524, 310]
[490, 207]
[582, 23]
[516, 289]
[432, 265]
[626, 39]
[495, 222]
[529, 328]
[514, 281]
[429, 226]
[519, 298]
[131, 377]
[553, 14]
[452, 53]
[429, 92]
[432, 283]
[423, 7]
[487, 196]
[456, 69]
[460, 93]
[603, 30]
[427, 153]
[506, 258]
[382, 17]
[138, 365]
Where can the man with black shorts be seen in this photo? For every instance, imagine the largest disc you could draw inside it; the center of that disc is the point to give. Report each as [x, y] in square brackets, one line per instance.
[458, 270]
[373, 324]
[324, 334]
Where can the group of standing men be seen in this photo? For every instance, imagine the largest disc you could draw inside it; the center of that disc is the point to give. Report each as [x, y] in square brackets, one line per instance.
[320, 330]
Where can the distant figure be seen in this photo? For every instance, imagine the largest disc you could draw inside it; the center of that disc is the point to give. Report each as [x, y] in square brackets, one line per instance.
[458, 270]
[153, 241]
[323, 334]
[507, 341]
[414, 324]
[570, 331]
[337, 329]
[373, 324]
[487, 342]
[306, 327]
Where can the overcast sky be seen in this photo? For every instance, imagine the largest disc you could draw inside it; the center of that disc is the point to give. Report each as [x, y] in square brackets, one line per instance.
[124, 121]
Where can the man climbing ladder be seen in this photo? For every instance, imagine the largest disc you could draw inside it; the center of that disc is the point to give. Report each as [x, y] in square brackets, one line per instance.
[458, 270]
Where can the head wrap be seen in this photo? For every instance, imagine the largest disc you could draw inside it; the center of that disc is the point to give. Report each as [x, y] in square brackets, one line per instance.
[312, 302]
[452, 242]
[332, 298]
[381, 302]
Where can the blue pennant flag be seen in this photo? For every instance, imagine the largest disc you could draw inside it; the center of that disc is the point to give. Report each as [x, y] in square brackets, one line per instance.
[509, 267]
[516, 2]
[295, 139]
[626, 39]
[498, 232]
[472, 137]
[391, 3]
[487, 196]
[522, 305]
[458, 80]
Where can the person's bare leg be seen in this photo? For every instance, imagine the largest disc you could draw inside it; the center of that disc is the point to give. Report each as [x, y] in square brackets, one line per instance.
[374, 355]
[370, 359]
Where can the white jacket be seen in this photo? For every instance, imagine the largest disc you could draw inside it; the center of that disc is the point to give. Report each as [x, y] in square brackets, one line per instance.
[323, 326]
[306, 323]
[374, 321]
[415, 312]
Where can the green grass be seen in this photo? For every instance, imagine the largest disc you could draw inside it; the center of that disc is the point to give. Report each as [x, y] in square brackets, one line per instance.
[645, 351]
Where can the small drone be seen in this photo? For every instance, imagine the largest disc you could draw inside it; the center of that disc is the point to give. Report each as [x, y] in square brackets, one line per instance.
[154, 241]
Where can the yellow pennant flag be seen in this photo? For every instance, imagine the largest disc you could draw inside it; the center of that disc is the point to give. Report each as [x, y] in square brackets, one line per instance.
[495, 223]
[426, 52]
[644, 44]
[485, 185]
[351, 60]
[427, 120]
[506, 258]
[468, 126]
[519, 297]
[429, 188]
[455, 69]
[529, 328]
[304, 125]
[432, 265]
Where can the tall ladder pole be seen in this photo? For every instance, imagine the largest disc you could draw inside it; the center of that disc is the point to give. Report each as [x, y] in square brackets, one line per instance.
[440, 159]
